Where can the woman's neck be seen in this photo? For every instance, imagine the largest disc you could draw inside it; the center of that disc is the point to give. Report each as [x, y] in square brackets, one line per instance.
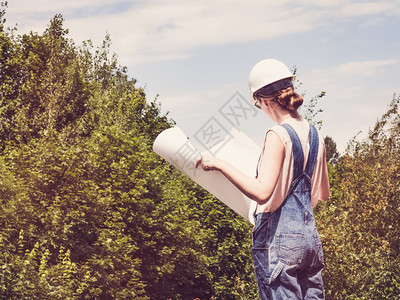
[284, 115]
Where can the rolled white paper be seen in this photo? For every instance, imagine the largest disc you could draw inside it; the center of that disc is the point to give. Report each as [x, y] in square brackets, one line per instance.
[236, 148]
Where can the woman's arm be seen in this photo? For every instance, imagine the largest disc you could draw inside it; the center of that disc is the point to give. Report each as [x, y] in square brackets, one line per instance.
[258, 189]
[320, 180]
[324, 192]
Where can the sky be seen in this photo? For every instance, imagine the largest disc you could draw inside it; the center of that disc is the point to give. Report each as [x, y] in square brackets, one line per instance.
[195, 56]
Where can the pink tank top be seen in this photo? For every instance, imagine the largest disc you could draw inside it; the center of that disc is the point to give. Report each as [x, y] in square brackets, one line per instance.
[282, 187]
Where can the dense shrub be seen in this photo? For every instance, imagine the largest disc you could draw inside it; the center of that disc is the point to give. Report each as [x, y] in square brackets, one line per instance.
[359, 224]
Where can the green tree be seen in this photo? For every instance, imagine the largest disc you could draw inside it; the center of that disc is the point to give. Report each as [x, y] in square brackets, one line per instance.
[332, 155]
[359, 223]
[87, 209]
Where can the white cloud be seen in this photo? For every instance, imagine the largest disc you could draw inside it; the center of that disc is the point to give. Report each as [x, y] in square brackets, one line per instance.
[333, 77]
[372, 22]
[144, 33]
[157, 30]
[345, 8]
[363, 68]
[148, 31]
[369, 8]
[27, 7]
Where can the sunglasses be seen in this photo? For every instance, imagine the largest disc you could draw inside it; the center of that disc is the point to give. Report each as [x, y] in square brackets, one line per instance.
[258, 102]
[258, 98]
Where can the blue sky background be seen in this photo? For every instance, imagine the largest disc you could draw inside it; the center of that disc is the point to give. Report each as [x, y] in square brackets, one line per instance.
[196, 55]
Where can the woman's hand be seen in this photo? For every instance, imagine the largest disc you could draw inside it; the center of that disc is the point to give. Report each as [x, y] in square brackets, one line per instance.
[208, 163]
[258, 189]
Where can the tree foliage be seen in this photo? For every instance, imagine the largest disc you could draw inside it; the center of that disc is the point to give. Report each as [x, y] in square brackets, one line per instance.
[332, 155]
[88, 211]
[359, 224]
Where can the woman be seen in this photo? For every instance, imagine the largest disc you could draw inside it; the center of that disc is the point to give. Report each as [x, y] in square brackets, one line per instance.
[291, 177]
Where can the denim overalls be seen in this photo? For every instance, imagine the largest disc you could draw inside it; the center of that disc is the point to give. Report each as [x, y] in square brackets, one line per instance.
[287, 252]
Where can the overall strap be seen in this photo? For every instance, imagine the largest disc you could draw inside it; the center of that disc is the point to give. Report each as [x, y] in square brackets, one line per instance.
[298, 154]
[297, 149]
[312, 156]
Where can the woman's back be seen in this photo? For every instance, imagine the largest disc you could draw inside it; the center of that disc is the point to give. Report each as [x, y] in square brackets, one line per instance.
[318, 188]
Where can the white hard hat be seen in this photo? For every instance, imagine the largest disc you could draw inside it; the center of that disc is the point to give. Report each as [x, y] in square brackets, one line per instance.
[267, 72]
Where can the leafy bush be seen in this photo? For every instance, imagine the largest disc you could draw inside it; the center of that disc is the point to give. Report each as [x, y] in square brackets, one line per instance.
[88, 211]
[359, 224]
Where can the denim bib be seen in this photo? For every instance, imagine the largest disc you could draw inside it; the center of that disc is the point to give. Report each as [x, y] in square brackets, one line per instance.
[287, 252]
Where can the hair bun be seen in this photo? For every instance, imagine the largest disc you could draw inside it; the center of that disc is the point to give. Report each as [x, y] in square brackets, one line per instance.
[289, 99]
[295, 101]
